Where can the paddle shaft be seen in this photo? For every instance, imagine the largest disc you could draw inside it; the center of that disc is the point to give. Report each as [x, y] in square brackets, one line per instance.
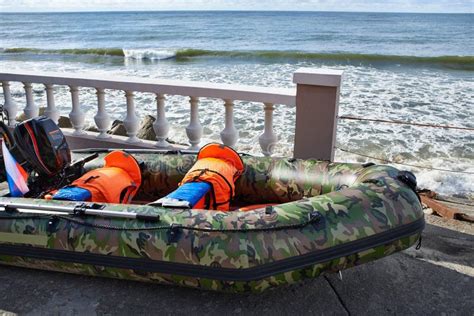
[79, 209]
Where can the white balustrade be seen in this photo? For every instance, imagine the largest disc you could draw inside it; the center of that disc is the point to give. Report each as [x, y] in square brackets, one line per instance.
[31, 110]
[194, 129]
[51, 110]
[9, 106]
[229, 134]
[102, 119]
[76, 115]
[131, 122]
[316, 98]
[268, 139]
[161, 125]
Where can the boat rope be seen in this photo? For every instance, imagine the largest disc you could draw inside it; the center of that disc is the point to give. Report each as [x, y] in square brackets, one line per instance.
[403, 164]
[354, 118]
[313, 218]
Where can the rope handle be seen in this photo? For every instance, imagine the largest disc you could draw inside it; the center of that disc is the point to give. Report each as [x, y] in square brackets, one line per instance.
[354, 118]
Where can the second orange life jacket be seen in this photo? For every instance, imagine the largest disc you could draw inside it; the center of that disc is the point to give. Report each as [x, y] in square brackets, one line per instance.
[220, 166]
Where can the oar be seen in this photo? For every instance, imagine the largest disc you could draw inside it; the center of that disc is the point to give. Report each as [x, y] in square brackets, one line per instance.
[79, 209]
[136, 151]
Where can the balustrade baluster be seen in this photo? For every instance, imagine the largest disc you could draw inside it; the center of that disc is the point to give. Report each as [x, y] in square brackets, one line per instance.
[31, 110]
[9, 106]
[76, 115]
[194, 129]
[229, 134]
[268, 139]
[51, 110]
[102, 119]
[131, 122]
[161, 125]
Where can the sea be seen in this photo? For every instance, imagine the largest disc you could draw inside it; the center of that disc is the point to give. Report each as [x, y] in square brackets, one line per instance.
[410, 67]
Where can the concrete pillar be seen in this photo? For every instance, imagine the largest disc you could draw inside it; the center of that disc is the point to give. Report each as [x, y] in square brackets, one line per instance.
[317, 102]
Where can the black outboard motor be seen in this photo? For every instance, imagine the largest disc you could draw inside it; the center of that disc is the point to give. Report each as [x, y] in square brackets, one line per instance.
[39, 145]
[43, 145]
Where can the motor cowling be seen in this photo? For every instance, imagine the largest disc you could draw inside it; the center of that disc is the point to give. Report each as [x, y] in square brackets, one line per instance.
[43, 145]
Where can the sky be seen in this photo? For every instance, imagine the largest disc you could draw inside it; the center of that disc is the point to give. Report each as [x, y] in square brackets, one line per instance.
[436, 6]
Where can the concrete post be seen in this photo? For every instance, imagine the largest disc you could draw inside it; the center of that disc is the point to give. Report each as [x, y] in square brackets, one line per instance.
[317, 102]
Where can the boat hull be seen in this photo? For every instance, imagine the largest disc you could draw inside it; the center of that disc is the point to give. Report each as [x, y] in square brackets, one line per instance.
[368, 213]
[258, 285]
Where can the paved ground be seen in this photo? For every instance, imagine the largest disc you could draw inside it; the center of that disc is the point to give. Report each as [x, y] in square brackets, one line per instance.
[438, 279]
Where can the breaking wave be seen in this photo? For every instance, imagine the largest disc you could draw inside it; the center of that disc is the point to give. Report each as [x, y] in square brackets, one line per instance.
[151, 54]
[459, 62]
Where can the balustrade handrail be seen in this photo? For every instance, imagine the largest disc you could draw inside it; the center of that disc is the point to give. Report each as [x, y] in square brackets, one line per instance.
[284, 96]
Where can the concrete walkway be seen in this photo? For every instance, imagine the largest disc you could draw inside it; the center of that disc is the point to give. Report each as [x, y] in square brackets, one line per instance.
[438, 279]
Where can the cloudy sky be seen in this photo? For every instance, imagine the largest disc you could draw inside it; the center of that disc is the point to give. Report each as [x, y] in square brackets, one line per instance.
[312, 5]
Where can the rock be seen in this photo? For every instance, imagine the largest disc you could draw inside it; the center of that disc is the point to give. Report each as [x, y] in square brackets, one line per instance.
[146, 130]
[117, 129]
[63, 121]
[91, 128]
[22, 117]
[172, 142]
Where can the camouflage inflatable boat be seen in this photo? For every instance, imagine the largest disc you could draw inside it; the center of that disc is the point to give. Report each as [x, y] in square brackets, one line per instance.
[325, 217]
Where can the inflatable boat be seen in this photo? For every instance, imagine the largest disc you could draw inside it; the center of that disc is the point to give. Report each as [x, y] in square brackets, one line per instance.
[324, 217]
[288, 220]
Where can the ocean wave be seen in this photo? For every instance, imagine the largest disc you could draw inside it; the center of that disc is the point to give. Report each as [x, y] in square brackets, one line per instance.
[66, 51]
[151, 54]
[463, 61]
[458, 62]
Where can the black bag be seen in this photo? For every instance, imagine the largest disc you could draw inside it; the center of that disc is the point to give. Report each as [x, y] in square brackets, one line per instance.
[43, 145]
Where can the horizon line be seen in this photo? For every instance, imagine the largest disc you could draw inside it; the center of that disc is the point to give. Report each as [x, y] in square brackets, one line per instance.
[225, 10]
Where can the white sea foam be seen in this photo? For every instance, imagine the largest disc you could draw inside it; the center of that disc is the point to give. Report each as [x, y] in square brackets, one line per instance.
[150, 54]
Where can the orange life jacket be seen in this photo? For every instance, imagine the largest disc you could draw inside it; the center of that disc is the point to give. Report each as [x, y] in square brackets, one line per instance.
[117, 182]
[220, 166]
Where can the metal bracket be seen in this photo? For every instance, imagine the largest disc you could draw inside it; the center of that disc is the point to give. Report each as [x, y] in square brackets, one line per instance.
[174, 233]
